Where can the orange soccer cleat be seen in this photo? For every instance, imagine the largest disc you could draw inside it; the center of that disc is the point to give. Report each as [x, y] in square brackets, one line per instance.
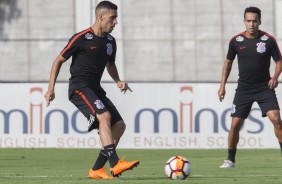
[122, 166]
[99, 174]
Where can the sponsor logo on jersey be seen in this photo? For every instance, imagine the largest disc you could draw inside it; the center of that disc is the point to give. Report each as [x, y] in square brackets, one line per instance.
[242, 47]
[109, 49]
[264, 37]
[88, 36]
[261, 47]
[93, 47]
[239, 38]
[99, 104]
[109, 37]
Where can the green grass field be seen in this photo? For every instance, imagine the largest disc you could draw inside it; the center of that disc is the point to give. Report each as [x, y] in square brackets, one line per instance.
[66, 166]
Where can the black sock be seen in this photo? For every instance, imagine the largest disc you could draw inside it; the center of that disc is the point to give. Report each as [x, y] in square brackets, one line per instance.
[101, 160]
[111, 154]
[232, 154]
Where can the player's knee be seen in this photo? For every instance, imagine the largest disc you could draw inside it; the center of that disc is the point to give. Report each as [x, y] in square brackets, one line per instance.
[235, 128]
[118, 129]
[277, 123]
[104, 117]
[121, 125]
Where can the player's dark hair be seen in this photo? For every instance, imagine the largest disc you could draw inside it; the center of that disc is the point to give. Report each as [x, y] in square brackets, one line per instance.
[106, 5]
[253, 9]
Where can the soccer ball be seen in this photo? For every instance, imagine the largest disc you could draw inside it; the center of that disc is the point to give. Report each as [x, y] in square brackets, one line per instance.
[177, 168]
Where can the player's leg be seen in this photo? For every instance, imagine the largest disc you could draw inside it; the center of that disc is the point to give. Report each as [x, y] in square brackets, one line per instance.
[82, 99]
[233, 137]
[274, 117]
[98, 171]
[105, 131]
[108, 152]
[122, 165]
[117, 124]
[117, 130]
[270, 108]
[108, 121]
[242, 104]
[106, 137]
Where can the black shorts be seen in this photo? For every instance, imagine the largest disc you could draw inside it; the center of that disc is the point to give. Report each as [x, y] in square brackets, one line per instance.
[243, 102]
[90, 104]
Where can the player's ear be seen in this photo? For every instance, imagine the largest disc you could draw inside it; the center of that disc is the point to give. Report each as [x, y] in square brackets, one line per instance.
[100, 16]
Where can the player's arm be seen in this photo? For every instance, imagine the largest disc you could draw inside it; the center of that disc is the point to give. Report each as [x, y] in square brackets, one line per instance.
[273, 82]
[112, 70]
[227, 66]
[50, 94]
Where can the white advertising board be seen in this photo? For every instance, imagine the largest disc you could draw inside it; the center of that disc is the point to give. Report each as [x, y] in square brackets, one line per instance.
[157, 115]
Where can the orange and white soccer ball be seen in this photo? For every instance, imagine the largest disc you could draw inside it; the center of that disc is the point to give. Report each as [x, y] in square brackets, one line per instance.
[178, 168]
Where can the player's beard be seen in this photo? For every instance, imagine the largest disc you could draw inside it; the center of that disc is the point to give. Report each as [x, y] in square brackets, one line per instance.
[253, 31]
[111, 29]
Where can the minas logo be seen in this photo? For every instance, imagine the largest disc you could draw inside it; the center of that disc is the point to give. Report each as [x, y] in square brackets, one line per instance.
[37, 116]
[191, 118]
[36, 119]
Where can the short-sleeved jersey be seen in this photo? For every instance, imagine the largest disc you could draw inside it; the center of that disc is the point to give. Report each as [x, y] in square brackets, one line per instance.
[253, 58]
[90, 55]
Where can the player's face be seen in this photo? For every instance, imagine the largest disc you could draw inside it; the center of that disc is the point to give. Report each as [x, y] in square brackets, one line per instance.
[109, 21]
[252, 23]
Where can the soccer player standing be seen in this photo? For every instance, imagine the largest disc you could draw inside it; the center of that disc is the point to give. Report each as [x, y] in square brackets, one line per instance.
[254, 49]
[93, 50]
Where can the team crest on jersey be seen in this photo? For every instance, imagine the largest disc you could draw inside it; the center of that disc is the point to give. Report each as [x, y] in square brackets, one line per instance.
[261, 47]
[88, 36]
[109, 37]
[264, 37]
[239, 38]
[99, 104]
[109, 49]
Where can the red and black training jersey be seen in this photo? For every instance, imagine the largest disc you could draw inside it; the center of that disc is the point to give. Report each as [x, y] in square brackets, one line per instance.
[253, 58]
[90, 55]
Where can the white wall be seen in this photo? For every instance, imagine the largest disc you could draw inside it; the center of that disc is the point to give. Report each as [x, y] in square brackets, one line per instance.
[158, 40]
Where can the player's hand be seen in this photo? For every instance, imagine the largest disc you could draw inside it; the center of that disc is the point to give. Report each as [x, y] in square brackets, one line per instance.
[123, 86]
[272, 83]
[49, 96]
[221, 94]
